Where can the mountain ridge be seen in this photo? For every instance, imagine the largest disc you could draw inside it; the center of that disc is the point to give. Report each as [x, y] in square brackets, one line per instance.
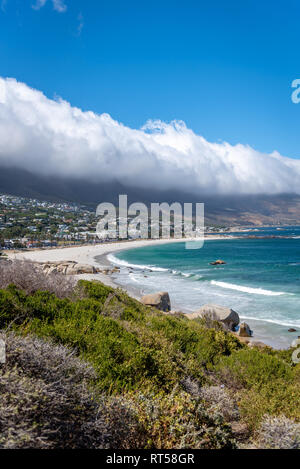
[224, 210]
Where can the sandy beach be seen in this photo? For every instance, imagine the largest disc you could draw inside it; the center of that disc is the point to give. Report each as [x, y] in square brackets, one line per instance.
[95, 255]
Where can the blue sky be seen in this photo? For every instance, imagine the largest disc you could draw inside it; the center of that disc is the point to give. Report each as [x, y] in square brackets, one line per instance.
[223, 67]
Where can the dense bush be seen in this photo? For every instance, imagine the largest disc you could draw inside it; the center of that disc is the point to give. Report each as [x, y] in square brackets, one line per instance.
[178, 420]
[278, 433]
[45, 402]
[129, 344]
[30, 277]
[219, 400]
[263, 383]
[247, 368]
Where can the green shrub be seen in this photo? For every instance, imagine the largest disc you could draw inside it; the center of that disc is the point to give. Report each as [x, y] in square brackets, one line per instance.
[47, 402]
[264, 384]
[246, 368]
[128, 344]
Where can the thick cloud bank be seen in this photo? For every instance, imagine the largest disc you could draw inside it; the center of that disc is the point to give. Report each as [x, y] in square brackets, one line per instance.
[50, 137]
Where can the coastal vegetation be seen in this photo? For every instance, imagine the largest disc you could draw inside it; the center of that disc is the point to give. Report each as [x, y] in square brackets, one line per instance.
[89, 366]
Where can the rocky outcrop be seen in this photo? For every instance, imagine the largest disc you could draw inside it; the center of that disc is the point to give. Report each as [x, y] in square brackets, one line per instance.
[227, 316]
[218, 262]
[68, 268]
[81, 269]
[160, 300]
[110, 271]
[244, 330]
[74, 268]
[257, 344]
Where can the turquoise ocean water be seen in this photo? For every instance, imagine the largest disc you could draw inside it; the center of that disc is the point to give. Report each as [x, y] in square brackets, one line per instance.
[261, 278]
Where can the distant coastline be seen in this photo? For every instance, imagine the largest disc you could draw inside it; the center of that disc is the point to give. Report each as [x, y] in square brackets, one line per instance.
[98, 256]
[95, 255]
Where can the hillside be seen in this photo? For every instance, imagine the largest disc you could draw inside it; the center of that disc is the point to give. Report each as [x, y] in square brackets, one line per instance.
[153, 380]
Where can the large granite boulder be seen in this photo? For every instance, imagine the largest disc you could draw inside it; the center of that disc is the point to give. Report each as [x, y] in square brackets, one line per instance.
[82, 269]
[51, 270]
[244, 330]
[72, 270]
[160, 300]
[68, 268]
[227, 316]
[218, 262]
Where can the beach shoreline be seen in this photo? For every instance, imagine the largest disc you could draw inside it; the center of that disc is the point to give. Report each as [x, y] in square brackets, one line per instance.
[97, 256]
[94, 255]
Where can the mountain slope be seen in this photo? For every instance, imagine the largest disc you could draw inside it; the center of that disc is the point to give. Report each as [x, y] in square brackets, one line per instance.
[223, 210]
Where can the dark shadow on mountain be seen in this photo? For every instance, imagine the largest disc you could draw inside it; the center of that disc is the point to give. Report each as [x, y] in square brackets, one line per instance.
[234, 209]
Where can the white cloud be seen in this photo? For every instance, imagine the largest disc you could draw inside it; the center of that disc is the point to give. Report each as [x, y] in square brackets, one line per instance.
[39, 4]
[51, 137]
[58, 5]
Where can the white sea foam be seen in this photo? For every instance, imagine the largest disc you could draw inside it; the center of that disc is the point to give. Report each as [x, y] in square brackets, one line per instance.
[273, 321]
[132, 277]
[115, 260]
[256, 291]
[190, 275]
[120, 262]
